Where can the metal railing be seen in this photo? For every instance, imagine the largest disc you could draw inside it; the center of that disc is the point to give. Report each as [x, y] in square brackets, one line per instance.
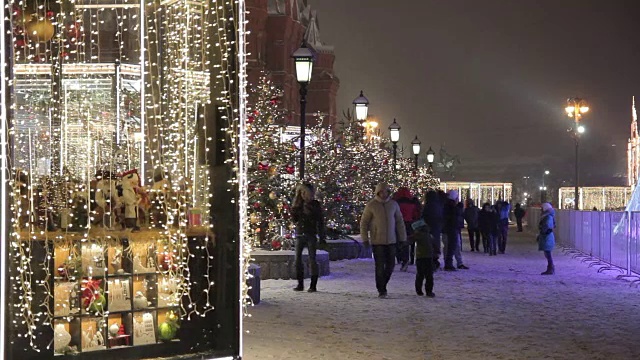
[609, 240]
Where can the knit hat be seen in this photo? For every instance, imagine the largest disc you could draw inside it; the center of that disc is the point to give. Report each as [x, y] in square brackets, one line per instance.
[546, 207]
[453, 195]
[418, 224]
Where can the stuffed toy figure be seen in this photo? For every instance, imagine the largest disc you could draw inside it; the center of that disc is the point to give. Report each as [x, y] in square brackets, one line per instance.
[131, 199]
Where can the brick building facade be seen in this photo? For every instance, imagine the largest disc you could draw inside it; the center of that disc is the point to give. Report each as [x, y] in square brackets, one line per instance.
[277, 28]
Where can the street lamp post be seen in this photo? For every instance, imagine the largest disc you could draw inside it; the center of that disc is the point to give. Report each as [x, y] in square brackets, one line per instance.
[543, 194]
[546, 172]
[431, 156]
[576, 107]
[361, 104]
[304, 58]
[394, 134]
[415, 146]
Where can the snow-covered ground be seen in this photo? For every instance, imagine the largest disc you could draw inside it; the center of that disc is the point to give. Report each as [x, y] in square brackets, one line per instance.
[502, 308]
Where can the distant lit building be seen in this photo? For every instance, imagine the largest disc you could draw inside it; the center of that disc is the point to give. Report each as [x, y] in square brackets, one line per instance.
[480, 192]
[598, 197]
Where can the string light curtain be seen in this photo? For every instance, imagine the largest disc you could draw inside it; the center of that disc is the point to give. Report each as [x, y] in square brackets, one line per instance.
[101, 90]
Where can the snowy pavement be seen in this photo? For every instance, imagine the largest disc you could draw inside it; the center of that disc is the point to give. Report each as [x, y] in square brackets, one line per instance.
[502, 308]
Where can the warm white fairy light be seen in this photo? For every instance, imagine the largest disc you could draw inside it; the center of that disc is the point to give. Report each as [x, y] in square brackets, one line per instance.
[4, 181]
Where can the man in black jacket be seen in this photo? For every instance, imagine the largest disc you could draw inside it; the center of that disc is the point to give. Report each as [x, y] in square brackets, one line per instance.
[433, 216]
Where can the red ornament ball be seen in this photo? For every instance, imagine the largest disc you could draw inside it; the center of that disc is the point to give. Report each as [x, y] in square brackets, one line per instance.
[385, 162]
[276, 244]
[337, 198]
[251, 119]
[50, 13]
[290, 169]
[354, 168]
[263, 165]
[256, 205]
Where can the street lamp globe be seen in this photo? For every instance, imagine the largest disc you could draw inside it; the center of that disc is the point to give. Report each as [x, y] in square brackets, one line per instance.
[546, 172]
[415, 145]
[581, 129]
[304, 58]
[362, 107]
[431, 155]
[394, 132]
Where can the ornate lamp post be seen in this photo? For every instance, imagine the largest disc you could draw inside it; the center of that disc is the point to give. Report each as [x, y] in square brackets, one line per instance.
[576, 107]
[361, 104]
[304, 58]
[431, 156]
[394, 134]
[415, 146]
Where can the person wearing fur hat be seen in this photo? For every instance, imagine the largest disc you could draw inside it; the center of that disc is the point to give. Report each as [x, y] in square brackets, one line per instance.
[382, 226]
[546, 239]
[307, 215]
[452, 222]
[422, 238]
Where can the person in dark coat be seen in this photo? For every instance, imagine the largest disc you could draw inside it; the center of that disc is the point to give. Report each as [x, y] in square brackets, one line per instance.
[306, 213]
[432, 214]
[471, 217]
[488, 220]
[546, 239]
[519, 213]
[411, 210]
[452, 221]
[424, 253]
[504, 208]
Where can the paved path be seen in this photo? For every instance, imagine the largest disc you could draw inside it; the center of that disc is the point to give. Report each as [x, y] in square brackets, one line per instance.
[499, 309]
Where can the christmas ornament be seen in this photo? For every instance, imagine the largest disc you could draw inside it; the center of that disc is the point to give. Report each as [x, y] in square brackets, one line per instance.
[276, 244]
[40, 30]
[263, 165]
[273, 171]
[273, 195]
[113, 329]
[290, 169]
[61, 338]
[168, 330]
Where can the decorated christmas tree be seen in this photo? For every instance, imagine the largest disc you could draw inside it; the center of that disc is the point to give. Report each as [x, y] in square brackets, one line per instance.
[327, 169]
[270, 169]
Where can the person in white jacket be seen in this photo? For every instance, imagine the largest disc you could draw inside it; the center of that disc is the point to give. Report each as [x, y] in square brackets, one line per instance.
[382, 226]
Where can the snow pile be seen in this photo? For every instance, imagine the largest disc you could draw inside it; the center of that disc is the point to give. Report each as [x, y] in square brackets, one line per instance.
[502, 308]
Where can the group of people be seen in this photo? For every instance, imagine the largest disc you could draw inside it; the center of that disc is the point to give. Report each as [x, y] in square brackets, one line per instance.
[401, 229]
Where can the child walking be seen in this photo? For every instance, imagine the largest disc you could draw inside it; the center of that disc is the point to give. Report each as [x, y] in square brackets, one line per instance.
[424, 257]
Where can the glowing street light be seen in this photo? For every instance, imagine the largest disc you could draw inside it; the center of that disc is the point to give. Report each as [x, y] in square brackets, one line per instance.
[576, 108]
[361, 104]
[394, 134]
[415, 145]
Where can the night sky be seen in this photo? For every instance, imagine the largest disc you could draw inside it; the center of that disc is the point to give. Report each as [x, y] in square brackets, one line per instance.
[489, 79]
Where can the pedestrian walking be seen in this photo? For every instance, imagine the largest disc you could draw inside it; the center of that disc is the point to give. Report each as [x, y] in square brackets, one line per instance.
[453, 218]
[432, 213]
[422, 238]
[519, 213]
[546, 239]
[306, 213]
[411, 210]
[382, 226]
[471, 213]
[504, 208]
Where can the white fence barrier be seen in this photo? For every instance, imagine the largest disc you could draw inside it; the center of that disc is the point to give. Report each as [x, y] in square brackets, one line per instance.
[603, 238]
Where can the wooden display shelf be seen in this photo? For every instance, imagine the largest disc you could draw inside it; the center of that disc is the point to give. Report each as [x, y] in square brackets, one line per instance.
[96, 232]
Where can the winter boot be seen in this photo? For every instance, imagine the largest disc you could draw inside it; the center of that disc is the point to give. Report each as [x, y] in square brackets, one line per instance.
[314, 282]
[550, 270]
[300, 286]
